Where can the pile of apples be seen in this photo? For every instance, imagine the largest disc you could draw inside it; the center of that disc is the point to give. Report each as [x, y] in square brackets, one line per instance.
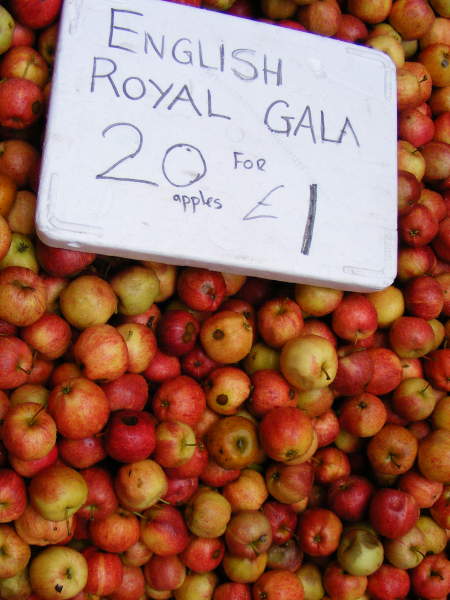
[182, 433]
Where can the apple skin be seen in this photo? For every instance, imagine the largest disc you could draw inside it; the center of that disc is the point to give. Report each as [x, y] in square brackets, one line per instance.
[13, 498]
[128, 486]
[21, 103]
[22, 296]
[35, 14]
[58, 572]
[164, 572]
[130, 436]
[102, 352]
[341, 585]
[433, 456]
[432, 577]
[232, 442]
[196, 585]
[180, 398]
[87, 300]
[175, 444]
[360, 552]
[83, 453]
[101, 500]
[393, 512]
[309, 362]
[28, 468]
[203, 554]
[278, 584]
[15, 552]
[105, 572]
[201, 289]
[388, 583]
[115, 533]
[129, 391]
[80, 408]
[286, 433]
[392, 451]
[355, 318]
[61, 262]
[319, 531]
[24, 62]
[349, 497]
[141, 345]
[208, 513]
[279, 320]
[425, 491]
[29, 432]
[230, 590]
[355, 369]
[7, 30]
[248, 534]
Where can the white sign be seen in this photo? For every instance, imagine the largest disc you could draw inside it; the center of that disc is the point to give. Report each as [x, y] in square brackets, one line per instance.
[197, 138]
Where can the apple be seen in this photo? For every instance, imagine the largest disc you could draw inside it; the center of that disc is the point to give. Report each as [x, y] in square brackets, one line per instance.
[363, 415]
[177, 332]
[425, 491]
[226, 336]
[136, 287]
[214, 475]
[105, 572]
[24, 61]
[279, 320]
[136, 555]
[29, 432]
[22, 296]
[229, 590]
[432, 577]
[393, 450]
[102, 352]
[87, 300]
[387, 371]
[393, 512]
[435, 59]
[360, 552]
[129, 391]
[196, 585]
[278, 9]
[162, 367]
[433, 456]
[247, 492]
[322, 18]
[179, 398]
[28, 468]
[130, 436]
[139, 485]
[15, 552]
[411, 337]
[349, 497]
[13, 498]
[435, 535]
[174, 444]
[61, 262]
[330, 464]
[388, 583]
[57, 492]
[340, 584]
[17, 587]
[195, 363]
[21, 102]
[414, 399]
[248, 534]
[141, 345]
[58, 572]
[389, 45]
[201, 289]
[415, 127]
[101, 499]
[163, 530]
[203, 554]
[326, 427]
[316, 301]
[164, 573]
[408, 194]
[319, 531]
[115, 533]
[83, 453]
[207, 513]
[289, 483]
[311, 580]
[407, 551]
[278, 584]
[286, 434]
[36, 14]
[226, 388]
[6, 30]
[37, 531]
[308, 362]
[18, 159]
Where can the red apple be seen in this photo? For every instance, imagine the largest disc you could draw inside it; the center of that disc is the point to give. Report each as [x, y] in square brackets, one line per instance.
[129, 391]
[286, 434]
[21, 102]
[102, 352]
[22, 296]
[13, 498]
[319, 531]
[105, 572]
[388, 583]
[130, 436]
[349, 497]
[201, 289]
[115, 533]
[393, 512]
[80, 408]
[29, 432]
[83, 453]
[101, 500]
[279, 320]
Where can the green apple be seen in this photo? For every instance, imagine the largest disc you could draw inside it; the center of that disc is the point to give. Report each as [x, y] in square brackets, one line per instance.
[435, 535]
[360, 552]
[137, 287]
[21, 253]
[6, 29]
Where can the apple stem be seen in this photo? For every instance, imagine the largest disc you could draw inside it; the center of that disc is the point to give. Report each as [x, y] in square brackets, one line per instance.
[36, 414]
[326, 373]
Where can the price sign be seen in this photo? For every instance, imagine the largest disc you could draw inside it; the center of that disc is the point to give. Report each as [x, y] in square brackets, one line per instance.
[197, 138]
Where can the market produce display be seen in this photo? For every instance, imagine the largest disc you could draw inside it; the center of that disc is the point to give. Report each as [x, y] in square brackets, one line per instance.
[179, 433]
